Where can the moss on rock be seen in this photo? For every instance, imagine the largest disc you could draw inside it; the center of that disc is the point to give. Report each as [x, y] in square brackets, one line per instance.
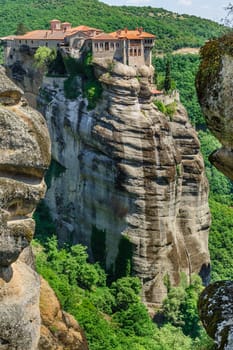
[211, 62]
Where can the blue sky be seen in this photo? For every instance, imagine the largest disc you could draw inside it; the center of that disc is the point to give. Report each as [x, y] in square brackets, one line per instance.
[212, 9]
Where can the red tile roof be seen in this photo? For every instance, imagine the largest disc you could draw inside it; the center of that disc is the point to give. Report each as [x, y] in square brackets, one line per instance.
[54, 35]
[86, 28]
[104, 36]
[43, 35]
[156, 92]
[61, 34]
[132, 34]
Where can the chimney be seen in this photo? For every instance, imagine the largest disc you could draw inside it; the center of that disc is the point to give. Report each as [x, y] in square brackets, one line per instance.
[140, 30]
[126, 30]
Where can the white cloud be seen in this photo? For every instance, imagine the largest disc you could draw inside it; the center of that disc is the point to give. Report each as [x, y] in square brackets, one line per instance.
[185, 2]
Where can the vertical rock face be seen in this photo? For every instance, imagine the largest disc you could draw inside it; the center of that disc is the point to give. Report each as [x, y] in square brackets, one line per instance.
[24, 156]
[216, 308]
[130, 178]
[214, 87]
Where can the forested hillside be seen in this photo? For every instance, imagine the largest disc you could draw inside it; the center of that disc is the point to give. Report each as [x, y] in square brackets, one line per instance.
[173, 31]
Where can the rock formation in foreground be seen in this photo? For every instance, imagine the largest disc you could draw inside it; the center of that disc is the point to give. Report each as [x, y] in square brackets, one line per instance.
[216, 309]
[128, 181]
[59, 330]
[215, 89]
[24, 156]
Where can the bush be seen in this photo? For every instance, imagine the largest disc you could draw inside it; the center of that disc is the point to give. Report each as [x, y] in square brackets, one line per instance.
[135, 320]
[71, 87]
[44, 56]
[92, 91]
[160, 105]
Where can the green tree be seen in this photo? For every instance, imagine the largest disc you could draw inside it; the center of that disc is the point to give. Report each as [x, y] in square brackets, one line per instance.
[44, 56]
[125, 291]
[135, 320]
[167, 80]
[21, 29]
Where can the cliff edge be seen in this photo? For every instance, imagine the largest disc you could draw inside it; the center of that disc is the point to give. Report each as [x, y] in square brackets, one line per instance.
[214, 84]
[24, 157]
[131, 179]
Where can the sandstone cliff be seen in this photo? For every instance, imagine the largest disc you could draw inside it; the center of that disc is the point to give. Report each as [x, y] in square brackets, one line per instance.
[24, 73]
[59, 330]
[24, 156]
[216, 308]
[214, 87]
[130, 177]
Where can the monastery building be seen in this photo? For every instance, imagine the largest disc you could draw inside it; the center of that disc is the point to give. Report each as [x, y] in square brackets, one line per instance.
[131, 47]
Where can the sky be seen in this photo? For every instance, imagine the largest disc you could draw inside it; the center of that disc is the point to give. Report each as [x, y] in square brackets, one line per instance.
[211, 9]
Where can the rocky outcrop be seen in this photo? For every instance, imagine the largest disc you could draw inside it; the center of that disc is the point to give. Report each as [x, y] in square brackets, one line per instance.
[126, 175]
[23, 72]
[214, 87]
[59, 330]
[24, 156]
[216, 309]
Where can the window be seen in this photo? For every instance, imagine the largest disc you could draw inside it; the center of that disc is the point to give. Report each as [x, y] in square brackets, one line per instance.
[31, 41]
[101, 45]
[46, 44]
[20, 41]
[117, 45]
[139, 52]
[135, 52]
[131, 52]
[96, 45]
[112, 45]
[106, 46]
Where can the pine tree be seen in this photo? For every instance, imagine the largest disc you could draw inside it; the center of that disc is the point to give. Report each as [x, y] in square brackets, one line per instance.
[167, 80]
[21, 29]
